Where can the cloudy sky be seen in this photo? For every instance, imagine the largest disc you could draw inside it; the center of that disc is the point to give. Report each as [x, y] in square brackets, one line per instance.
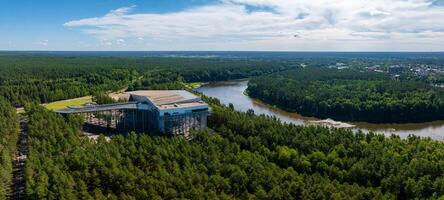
[262, 25]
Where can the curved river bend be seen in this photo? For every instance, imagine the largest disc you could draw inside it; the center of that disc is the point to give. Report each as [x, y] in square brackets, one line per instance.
[233, 92]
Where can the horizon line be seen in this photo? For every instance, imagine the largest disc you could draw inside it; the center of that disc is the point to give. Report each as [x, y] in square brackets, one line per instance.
[264, 51]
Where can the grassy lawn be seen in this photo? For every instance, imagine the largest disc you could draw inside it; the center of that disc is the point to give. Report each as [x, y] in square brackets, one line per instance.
[69, 102]
[193, 85]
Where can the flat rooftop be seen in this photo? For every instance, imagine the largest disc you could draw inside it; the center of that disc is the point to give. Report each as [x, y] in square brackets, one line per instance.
[168, 99]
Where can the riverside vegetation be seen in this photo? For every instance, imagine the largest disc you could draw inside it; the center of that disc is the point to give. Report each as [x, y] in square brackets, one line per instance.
[240, 156]
[350, 95]
[246, 157]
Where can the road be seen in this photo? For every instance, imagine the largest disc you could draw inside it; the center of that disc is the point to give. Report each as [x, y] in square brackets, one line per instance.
[18, 185]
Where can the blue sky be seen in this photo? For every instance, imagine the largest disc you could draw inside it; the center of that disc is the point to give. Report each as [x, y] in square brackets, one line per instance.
[27, 24]
[287, 25]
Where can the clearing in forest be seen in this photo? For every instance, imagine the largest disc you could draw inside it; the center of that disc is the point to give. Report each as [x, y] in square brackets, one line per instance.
[69, 102]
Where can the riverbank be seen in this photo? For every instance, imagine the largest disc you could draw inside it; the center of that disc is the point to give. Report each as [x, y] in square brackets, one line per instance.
[233, 92]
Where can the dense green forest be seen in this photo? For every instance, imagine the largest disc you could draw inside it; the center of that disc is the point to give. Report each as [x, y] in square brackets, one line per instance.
[8, 140]
[49, 78]
[46, 78]
[350, 95]
[240, 155]
[246, 157]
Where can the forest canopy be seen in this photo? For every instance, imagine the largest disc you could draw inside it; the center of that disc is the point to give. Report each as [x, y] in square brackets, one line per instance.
[246, 156]
[46, 79]
[9, 129]
[240, 155]
[350, 95]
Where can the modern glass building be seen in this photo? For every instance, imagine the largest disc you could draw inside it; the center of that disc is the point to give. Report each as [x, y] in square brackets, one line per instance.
[153, 111]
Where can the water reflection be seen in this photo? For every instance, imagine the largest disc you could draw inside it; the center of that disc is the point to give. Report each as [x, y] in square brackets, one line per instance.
[233, 92]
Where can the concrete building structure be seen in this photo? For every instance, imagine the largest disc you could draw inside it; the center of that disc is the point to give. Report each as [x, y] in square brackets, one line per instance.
[155, 111]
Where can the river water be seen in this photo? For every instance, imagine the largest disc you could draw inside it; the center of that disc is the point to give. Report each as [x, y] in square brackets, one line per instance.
[233, 92]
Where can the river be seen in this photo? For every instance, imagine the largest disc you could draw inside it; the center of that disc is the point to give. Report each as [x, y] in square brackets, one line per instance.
[233, 92]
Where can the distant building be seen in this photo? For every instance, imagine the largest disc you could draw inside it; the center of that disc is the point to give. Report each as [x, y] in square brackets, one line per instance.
[155, 111]
[374, 67]
[378, 70]
[395, 69]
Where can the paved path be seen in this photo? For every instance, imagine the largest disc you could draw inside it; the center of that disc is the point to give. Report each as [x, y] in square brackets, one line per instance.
[18, 187]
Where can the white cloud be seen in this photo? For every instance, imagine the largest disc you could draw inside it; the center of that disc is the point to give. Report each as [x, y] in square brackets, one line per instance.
[42, 43]
[278, 25]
